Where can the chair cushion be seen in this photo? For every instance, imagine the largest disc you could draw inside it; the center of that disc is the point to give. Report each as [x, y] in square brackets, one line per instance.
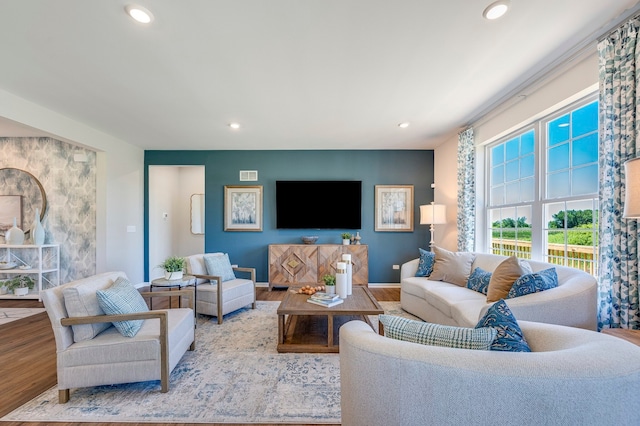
[427, 333]
[81, 301]
[451, 267]
[219, 266]
[533, 283]
[425, 264]
[232, 289]
[510, 337]
[123, 298]
[503, 277]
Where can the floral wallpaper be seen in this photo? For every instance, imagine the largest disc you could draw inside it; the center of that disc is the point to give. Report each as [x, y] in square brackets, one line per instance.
[67, 174]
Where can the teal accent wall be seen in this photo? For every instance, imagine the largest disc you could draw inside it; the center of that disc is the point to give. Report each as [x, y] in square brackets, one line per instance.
[407, 167]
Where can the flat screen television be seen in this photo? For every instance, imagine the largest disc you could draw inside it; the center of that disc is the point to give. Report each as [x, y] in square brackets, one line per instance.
[326, 204]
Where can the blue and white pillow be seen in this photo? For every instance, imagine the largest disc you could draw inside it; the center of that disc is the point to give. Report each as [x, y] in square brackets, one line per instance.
[219, 265]
[123, 298]
[426, 333]
[425, 265]
[509, 337]
[479, 280]
[533, 283]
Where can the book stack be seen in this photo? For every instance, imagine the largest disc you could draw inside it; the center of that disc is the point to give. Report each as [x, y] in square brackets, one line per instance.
[325, 299]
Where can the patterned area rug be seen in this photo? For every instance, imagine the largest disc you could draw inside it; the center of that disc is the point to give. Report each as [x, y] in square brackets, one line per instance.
[235, 375]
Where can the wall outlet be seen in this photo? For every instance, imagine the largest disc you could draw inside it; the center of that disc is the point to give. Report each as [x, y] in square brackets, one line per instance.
[396, 266]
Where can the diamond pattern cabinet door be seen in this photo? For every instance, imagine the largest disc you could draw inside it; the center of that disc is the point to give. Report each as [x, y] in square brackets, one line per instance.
[329, 255]
[291, 264]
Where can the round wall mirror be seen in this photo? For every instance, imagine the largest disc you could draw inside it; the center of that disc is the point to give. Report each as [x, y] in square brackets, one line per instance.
[20, 195]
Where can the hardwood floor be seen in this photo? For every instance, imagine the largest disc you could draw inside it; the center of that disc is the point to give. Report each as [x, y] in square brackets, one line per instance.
[28, 356]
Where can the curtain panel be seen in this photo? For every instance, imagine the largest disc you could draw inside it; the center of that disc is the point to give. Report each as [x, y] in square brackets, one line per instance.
[619, 55]
[466, 219]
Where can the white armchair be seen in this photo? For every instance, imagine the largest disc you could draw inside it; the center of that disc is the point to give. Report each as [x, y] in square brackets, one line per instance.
[236, 293]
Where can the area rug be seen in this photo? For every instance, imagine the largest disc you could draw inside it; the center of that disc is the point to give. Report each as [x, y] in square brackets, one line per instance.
[235, 375]
[11, 314]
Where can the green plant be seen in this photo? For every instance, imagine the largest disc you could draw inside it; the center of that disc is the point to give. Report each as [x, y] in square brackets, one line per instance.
[346, 236]
[173, 264]
[329, 280]
[19, 281]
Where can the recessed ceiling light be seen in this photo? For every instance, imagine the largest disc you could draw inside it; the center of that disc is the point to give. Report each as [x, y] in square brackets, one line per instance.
[404, 124]
[139, 13]
[496, 9]
[234, 126]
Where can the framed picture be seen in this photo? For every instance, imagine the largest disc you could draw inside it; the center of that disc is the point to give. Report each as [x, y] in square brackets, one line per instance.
[243, 208]
[10, 207]
[394, 208]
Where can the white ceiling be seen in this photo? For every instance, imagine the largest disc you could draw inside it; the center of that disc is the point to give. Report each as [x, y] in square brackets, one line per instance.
[297, 74]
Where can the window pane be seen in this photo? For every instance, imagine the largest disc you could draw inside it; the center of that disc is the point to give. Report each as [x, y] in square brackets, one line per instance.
[526, 166]
[585, 180]
[497, 195]
[527, 143]
[559, 158]
[497, 155]
[527, 190]
[558, 130]
[585, 119]
[497, 175]
[585, 150]
[554, 215]
[513, 192]
[558, 185]
[512, 149]
[512, 171]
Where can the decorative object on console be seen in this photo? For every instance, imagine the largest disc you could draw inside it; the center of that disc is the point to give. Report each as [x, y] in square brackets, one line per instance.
[433, 214]
[14, 235]
[346, 258]
[310, 239]
[346, 238]
[358, 238]
[632, 186]
[173, 267]
[37, 230]
[341, 280]
[394, 208]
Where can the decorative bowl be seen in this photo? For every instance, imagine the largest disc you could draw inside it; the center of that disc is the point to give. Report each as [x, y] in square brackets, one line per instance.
[309, 239]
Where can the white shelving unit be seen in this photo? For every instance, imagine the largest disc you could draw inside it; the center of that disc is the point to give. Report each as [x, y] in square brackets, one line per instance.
[42, 261]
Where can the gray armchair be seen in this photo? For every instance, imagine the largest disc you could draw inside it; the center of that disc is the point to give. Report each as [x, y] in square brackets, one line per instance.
[104, 356]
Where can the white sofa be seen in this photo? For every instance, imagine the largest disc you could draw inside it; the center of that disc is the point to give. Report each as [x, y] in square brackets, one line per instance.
[571, 377]
[573, 303]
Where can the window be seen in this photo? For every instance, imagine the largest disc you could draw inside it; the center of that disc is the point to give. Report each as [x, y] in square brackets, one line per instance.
[543, 187]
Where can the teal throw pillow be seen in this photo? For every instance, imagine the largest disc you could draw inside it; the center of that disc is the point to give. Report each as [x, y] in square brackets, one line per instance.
[479, 280]
[219, 265]
[123, 298]
[509, 337]
[535, 282]
[446, 336]
[425, 264]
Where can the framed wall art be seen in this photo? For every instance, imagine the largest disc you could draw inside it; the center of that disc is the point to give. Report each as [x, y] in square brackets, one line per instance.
[243, 208]
[394, 208]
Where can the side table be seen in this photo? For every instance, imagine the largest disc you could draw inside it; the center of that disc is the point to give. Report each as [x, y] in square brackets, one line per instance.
[185, 281]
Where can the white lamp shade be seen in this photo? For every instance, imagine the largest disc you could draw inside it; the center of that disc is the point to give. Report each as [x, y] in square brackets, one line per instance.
[632, 187]
[433, 214]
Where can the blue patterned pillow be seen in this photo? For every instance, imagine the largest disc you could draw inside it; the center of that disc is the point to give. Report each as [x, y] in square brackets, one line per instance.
[123, 298]
[479, 280]
[219, 266]
[425, 265]
[510, 337]
[533, 283]
[446, 336]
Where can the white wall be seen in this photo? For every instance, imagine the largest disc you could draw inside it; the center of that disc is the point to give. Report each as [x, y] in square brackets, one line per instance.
[576, 80]
[191, 182]
[120, 183]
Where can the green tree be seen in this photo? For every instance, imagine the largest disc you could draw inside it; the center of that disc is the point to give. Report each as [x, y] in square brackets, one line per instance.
[574, 219]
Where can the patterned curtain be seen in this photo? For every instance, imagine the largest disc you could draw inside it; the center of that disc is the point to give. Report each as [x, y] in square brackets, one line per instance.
[466, 219]
[619, 55]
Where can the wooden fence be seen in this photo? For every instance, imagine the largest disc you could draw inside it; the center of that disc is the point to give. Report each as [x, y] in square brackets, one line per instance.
[579, 257]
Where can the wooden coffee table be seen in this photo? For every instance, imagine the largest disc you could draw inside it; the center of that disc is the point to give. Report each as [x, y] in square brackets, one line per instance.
[305, 327]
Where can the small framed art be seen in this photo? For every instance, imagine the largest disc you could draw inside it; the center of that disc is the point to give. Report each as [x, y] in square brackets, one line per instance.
[243, 208]
[394, 208]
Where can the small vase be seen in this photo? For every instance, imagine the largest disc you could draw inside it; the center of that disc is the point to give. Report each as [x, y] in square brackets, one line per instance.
[37, 230]
[341, 280]
[346, 242]
[176, 275]
[330, 289]
[14, 235]
[21, 291]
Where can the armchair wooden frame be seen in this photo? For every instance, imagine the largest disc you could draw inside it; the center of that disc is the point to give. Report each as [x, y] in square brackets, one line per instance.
[218, 280]
[63, 395]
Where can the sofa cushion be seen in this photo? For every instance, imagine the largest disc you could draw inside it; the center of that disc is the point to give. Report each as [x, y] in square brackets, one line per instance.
[81, 301]
[427, 333]
[425, 264]
[533, 283]
[479, 280]
[509, 337]
[444, 297]
[451, 267]
[123, 298]
[219, 265]
[502, 279]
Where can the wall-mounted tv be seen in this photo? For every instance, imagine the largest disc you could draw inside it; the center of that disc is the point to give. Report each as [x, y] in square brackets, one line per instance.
[326, 204]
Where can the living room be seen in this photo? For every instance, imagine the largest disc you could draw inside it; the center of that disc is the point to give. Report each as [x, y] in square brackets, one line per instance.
[99, 179]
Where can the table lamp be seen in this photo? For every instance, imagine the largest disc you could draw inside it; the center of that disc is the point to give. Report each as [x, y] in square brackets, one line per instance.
[632, 195]
[433, 214]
